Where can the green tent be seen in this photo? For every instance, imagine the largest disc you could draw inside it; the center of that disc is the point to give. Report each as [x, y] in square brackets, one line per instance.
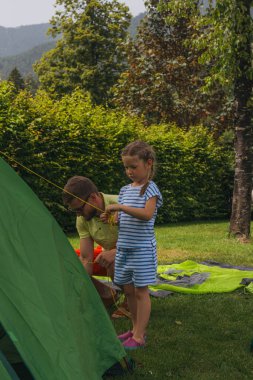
[49, 307]
[6, 370]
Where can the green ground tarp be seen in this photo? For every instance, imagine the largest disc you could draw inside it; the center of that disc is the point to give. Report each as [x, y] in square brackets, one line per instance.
[49, 306]
[212, 279]
[194, 278]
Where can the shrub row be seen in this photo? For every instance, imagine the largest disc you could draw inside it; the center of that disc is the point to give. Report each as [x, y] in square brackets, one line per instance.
[59, 139]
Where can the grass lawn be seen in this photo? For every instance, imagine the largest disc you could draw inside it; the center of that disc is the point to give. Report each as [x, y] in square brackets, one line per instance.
[197, 336]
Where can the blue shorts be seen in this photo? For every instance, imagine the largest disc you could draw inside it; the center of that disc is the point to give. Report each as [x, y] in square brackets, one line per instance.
[136, 266]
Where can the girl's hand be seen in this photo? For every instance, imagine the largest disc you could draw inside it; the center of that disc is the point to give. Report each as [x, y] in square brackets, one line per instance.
[112, 208]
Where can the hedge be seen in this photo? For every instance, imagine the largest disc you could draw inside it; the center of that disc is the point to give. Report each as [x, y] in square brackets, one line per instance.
[59, 139]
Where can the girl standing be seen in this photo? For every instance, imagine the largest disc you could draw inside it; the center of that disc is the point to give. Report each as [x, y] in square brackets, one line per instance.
[136, 261]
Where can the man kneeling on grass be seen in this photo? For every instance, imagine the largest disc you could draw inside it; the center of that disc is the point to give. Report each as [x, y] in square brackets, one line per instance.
[92, 230]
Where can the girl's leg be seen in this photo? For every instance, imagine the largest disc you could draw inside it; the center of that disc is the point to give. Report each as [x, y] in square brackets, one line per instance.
[129, 291]
[143, 313]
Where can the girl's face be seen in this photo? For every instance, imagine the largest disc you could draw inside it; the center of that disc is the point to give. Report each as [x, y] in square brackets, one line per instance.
[137, 169]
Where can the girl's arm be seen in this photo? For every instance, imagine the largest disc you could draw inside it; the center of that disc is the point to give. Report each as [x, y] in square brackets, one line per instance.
[145, 213]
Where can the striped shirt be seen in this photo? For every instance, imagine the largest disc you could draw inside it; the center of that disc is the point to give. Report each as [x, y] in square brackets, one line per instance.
[134, 232]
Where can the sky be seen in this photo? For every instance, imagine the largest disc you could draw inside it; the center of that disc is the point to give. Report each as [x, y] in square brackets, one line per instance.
[27, 12]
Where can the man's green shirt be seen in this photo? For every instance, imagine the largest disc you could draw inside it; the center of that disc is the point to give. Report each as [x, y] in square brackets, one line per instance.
[103, 234]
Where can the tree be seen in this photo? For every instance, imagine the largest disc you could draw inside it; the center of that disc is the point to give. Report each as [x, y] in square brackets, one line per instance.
[225, 41]
[164, 77]
[31, 83]
[16, 78]
[90, 53]
[241, 207]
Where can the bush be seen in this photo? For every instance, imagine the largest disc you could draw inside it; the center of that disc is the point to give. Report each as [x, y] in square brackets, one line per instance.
[194, 173]
[59, 139]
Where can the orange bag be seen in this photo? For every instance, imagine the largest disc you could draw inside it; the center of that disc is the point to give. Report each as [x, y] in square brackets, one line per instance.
[97, 269]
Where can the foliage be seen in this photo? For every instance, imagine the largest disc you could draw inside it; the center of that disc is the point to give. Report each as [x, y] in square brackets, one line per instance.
[31, 83]
[164, 78]
[16, 78]
[24, 56]
[90, 52]
[59, 139]
[194, 173]
[14, 119]
[219, 33]
[225, 41]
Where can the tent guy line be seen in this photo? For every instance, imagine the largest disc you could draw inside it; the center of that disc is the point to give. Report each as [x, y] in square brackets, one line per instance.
[111, 221]
[48, 303]
[48, 181]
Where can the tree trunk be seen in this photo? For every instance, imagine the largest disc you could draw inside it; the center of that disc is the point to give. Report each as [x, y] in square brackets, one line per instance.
[241, 205]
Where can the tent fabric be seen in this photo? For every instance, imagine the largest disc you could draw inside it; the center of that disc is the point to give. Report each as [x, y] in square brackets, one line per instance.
[6, 371]
[4, 374]
[49, 307]
[194, 278]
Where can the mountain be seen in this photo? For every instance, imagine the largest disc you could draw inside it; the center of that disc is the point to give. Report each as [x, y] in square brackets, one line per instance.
[135, 23]
[14, 41]
[24, 61]
[21, 47]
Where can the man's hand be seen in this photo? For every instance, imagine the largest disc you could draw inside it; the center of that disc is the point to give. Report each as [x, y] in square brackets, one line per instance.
[108, 217]
[106, 258]
[104, 217]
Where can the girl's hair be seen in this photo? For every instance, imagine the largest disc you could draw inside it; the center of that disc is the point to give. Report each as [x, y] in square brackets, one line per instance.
[144, 152]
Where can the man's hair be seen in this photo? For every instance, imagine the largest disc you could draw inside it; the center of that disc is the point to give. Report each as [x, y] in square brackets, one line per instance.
[80, 187]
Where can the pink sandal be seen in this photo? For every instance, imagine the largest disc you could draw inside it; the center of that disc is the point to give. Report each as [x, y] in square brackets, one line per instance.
[125, 336]
[132, 344]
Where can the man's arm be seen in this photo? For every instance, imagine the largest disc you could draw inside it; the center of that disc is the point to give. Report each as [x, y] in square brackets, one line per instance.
[87, 254]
